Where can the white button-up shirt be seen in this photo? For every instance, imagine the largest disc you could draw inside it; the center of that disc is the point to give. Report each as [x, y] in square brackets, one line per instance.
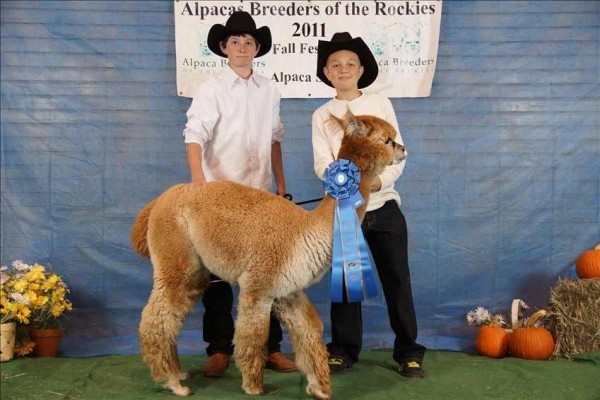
[236, 121]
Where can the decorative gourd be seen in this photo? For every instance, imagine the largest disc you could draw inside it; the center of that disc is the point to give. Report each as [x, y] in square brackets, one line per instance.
[492, 341]
[530, 342]
[588, 264]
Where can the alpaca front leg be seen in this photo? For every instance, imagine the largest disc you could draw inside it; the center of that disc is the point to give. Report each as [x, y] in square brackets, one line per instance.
[251, 332]
[305, 328]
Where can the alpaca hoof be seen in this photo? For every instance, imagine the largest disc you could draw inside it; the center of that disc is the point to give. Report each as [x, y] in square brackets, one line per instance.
[253, 390]
[182, 391]
[175, 386]
[317, 392]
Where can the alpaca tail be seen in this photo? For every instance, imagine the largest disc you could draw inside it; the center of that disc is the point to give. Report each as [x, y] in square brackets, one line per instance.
[139, 231]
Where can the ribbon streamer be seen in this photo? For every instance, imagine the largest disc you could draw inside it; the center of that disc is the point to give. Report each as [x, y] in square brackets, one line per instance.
[352, 263]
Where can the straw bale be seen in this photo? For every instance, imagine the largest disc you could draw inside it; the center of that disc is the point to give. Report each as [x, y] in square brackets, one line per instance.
[575, 316]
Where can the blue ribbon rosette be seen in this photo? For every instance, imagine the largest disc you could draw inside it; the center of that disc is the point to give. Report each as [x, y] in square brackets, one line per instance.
[352, 263]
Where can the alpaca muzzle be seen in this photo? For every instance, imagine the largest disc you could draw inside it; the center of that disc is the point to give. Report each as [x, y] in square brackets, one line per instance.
[400, 153]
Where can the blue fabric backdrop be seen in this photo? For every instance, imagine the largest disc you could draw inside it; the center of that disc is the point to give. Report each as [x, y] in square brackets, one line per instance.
[501, 189]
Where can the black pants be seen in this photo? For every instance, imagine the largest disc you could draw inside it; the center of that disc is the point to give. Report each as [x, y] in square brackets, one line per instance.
[218, 324]
[386, 234]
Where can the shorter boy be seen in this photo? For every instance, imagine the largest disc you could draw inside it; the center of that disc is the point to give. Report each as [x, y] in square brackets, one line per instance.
[347, 64]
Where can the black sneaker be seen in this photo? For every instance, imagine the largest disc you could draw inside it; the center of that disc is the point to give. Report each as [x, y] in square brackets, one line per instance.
[337, 365]
[411, 369]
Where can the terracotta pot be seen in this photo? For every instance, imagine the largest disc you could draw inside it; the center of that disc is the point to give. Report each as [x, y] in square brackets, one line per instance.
[46, 341]
[7, 341]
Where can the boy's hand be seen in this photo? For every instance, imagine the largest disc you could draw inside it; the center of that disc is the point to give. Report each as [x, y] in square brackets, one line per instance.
[200, 180]
[281, 190]
[376, 185]
[197, 180]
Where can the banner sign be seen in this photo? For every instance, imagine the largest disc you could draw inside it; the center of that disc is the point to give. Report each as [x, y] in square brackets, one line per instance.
[403, 36]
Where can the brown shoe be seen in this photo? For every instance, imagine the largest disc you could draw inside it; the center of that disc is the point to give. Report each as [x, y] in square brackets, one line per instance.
[278, 363]
[216, 365]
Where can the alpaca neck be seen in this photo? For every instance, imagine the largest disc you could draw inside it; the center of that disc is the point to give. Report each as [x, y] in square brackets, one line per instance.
[327, 205]
[353, 150]
[365, 190]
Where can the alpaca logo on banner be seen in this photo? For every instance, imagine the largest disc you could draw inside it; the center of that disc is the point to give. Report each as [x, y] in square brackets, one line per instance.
[403, 36]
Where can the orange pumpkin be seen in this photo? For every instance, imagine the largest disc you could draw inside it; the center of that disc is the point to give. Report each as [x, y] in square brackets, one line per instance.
[588, 264]
[492, 341]
[530, 342]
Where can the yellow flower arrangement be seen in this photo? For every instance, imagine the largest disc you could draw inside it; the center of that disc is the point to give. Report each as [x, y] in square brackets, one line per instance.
[32, 295]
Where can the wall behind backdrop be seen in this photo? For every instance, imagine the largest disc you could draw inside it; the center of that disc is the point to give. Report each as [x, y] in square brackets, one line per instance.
[501, 189]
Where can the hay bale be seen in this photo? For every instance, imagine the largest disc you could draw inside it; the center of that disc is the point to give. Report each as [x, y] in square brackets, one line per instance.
[575, 316]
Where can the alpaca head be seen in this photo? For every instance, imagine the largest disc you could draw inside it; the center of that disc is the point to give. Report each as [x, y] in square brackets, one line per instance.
[369, 143]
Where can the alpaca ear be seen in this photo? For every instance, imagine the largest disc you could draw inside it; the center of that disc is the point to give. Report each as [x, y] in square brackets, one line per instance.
[351, 124]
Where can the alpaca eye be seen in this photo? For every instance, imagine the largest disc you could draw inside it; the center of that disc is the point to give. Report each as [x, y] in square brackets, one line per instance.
[388, 141]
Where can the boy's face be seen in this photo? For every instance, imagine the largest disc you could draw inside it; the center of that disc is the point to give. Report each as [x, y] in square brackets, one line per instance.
[343, 69]
[240, 50]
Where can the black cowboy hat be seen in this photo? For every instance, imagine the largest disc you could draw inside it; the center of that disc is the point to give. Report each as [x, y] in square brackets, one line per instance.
[343, 41]
[240, 22]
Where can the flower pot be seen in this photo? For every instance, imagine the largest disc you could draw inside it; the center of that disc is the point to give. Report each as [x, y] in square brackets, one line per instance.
[7, 341]
[46, 341]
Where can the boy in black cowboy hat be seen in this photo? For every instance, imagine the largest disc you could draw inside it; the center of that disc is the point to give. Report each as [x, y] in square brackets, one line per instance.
[347, 64]
[233, 133]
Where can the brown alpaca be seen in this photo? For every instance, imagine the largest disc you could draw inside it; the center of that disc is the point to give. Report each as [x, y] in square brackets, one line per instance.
[271, 248]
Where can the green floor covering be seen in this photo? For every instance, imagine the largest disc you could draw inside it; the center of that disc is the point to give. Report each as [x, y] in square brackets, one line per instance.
[450, 375]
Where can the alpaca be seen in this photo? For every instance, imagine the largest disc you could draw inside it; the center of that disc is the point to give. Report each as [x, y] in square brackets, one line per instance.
[271, 248]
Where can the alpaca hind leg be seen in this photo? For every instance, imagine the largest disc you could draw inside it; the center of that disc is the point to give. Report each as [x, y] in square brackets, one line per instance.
[183, 375]
[171, 300]
[159, 328]
[305, 328]
[250, 337]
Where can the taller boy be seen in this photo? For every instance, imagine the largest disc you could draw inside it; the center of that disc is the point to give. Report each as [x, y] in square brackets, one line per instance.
[347, 64]
[233, 133]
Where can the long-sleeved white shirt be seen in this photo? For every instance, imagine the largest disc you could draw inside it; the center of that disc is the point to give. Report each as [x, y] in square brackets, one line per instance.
[327, 138]
[236, 121]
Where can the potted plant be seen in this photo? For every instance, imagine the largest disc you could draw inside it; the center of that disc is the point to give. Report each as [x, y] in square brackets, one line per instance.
[42, 296]
[13, 310]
